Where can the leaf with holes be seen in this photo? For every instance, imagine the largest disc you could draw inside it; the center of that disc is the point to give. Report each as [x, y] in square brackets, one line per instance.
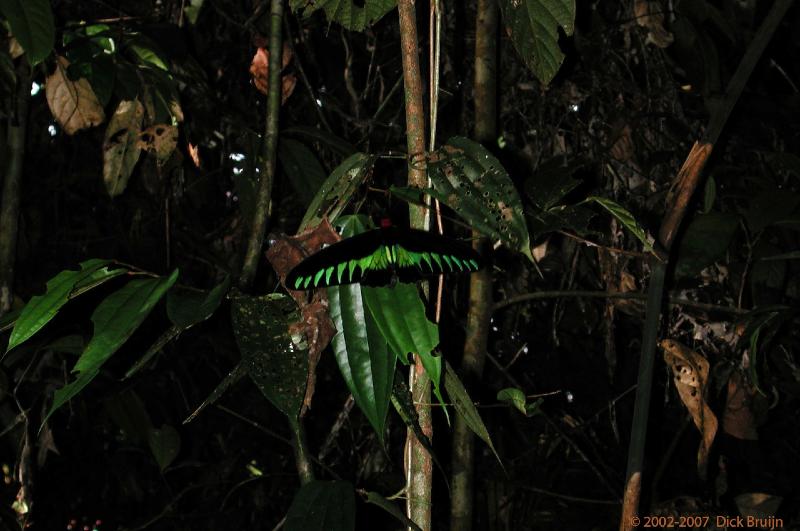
[121, 147]
[353, 15]
[533, 27]
[471, 181]
[161, 139]
[275, 359]
[338, 189]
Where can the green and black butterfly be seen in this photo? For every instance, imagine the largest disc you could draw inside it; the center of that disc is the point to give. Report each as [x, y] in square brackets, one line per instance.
[384, 256]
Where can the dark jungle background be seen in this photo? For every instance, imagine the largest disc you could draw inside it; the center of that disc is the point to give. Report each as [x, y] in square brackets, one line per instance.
[616, 121]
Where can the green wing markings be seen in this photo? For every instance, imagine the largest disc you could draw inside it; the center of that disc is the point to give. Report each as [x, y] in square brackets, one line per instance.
[318, 276]
[328, 273]
[339, 270]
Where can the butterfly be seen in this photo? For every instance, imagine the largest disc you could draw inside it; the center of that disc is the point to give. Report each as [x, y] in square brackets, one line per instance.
[384, 256]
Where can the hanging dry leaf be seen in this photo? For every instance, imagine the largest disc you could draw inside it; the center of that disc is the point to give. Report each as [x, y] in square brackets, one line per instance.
[650, 15]
[161, 139]
[121, 145]
[73, 103]
[194, 154]
[745, 409]
[690, 370]
[259, 70]
[176, 110]
[622, 148]
[14, 49]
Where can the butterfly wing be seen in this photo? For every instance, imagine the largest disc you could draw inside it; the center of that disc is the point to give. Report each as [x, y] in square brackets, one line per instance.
[343, 262]
[421, 254]
[375, 257]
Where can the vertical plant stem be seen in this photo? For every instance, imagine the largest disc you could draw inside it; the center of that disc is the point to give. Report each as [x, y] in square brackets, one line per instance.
[258, 224]
[678, 200]
[9, 208]
[419, 466]
[301, 456]
[480, 283]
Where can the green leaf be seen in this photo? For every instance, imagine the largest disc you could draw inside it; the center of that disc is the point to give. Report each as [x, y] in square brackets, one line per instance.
[9, 319]
[302, 168]
[145, 51]
[709, 194]
[186, 308]
[323, 506]
[626, 218]
[192, 11]
[377, 499]
[465, 407]
[403, 403]
[338, 189]
[552, 182]
[165, 443]
[361, 353]
[42, 308]
[469, 179]
[533, 27]
[513, 396]
[115, 320]
[706, 239]
[127, 411]
[98, 277]
[400, 317]
[575, 218]
[32, 24]
[276, 361]
[352, 14]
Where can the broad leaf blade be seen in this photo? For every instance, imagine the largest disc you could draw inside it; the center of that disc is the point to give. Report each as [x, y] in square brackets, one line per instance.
[187, 308]
[470, 180]
[533, 27]
[465, 407]
[362, 354]
[338, 189]
[513, 396]
[323, 506]
[353, 15]
[32, 24]
[302, 168]
[276, 361]
[706, 239]
[115, 320]
[42, 308]
[165, 443]
[626, 218]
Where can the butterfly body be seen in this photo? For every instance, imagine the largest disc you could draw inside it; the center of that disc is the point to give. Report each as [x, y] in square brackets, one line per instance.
[383, 256]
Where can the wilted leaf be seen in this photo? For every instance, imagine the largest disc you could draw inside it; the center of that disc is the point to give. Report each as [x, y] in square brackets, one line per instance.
[161, 139]
[73, 103]
[690, 370]
[259, 71]
[121, 147]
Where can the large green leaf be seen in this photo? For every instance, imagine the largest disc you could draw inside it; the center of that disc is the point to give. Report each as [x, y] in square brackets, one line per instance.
[186, 308]
[552, 182]
[362, 354]
[42, 308]
[533, 27]
[302, 168]
[32, 24]
[276, 361]
[471, 181]
[352, 14]
[705, 241]
[115, 320]
[626, 218]
[465, 407]
[338, 189]
[323, 506]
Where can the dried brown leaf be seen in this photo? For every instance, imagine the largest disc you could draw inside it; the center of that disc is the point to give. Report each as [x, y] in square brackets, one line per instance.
[650, 15]
[161, 139]
[121, 147]
[690, 370]
[73, 103]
